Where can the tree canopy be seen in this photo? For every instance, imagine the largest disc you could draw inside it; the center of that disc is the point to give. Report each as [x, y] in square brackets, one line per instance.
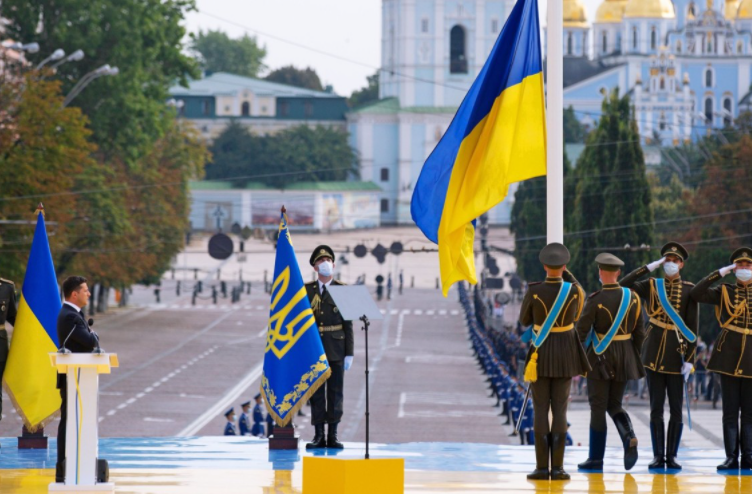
[367, 94]
[293, 76]
[220, 53]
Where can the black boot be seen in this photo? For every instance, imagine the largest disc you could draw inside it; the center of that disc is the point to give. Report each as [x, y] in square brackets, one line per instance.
[541, 457]
[60, 472]
[731, 445]
[597, 451]
[658, 437]
[672, 444]
[746, 442]
[628, 438]
[319, 441]
[331, 440]
[559, 440]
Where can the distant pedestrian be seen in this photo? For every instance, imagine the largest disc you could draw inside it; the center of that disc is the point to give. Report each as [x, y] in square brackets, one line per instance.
[401, 282]
[230, 425]
[269, 425]
[389, 287]
[244, 424]
[157, 291]
[258, 418]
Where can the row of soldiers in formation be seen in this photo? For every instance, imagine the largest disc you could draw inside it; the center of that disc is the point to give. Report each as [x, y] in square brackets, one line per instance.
[604, 337]
[244, 423]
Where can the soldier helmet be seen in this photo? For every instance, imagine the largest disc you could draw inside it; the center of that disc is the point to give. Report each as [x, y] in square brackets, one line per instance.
[321, 251]
[741, 254]
[608, 262]
[676, 249]
[554, 254]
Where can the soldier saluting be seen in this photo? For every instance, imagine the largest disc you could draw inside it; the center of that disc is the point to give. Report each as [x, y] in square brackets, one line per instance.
[669, 349]
[732, 354]
[555, 356]
[337, 338]
[612, 331]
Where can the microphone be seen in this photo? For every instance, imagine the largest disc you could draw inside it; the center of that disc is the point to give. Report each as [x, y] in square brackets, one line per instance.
[62, 349]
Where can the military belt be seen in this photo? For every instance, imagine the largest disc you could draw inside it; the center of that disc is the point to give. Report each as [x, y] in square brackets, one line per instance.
[737, 329]
[666, 326]
[618, 337]
[562, 329]
[326, 329]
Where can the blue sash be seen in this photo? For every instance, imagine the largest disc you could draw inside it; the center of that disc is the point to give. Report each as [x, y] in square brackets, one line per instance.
[541, 336]
[660, 287]
[527, 335]
[600, 346]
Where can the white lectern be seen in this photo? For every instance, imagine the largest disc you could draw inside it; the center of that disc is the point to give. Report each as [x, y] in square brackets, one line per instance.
[82, 438]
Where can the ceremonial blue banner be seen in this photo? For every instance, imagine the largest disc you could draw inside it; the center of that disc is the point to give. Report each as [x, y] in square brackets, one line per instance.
[295, 364]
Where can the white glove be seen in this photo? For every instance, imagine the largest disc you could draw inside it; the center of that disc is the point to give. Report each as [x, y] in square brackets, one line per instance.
[654, 265]
[348, 363]
[727, 270]
[686, 370]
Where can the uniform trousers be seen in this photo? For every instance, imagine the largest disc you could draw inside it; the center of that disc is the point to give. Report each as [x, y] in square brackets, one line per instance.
[604, 396]
[551, 393]
[660, 385]
[326, 402]
[737, 394]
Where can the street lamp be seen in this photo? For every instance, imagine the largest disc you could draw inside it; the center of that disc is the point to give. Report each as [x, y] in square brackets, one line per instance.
[56, 55]
[73, 57]
[28, 47]
[86, 79]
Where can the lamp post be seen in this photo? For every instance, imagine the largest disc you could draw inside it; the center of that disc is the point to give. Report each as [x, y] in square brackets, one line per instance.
[28, 47]
[88, 78]
[73, 57]
[56, 55]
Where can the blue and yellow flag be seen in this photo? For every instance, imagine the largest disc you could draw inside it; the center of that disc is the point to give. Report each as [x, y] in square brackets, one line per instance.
[295, 364]
[30, 380]
[497, 137]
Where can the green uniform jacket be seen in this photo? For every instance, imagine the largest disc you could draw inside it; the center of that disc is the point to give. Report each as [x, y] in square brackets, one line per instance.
[336, 333]
[732, 353]
[562, 354]
[661, 351]
[623, 355]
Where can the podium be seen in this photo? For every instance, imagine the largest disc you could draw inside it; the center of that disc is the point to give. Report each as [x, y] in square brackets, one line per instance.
[82, 442]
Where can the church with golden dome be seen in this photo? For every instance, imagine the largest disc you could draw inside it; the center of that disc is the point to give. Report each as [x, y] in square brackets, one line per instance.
[687, 64]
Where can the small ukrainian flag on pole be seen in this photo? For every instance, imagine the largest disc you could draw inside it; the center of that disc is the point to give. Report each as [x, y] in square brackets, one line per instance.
[295, 364]
[497, 137]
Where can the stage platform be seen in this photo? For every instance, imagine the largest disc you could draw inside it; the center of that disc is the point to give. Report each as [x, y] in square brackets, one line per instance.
[220, 465]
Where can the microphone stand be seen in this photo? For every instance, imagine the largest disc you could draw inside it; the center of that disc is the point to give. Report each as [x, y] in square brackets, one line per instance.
[365, 328]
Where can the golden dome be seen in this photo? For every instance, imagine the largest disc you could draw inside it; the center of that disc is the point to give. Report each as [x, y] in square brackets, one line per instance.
[653, 9]
[732, 6]
[574, 14]
[610, 11]
[745, 10]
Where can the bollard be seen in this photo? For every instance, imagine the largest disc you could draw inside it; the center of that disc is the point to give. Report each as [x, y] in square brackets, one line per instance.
[173, 273]
[195, 273]
[177, 289]
[412, 282]
[193, 298]
[200, 287]
[214, 294]
[223, 288]
[437, 283]
[219, 274]
[248, 288]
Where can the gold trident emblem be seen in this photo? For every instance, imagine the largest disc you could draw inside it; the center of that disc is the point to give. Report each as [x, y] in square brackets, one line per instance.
[285, 329]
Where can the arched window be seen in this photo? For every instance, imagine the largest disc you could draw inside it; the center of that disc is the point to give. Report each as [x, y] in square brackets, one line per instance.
[708, 78]
[245, 109]
[457, 57]
[727, 113]
[708, 111]
[569, 43]
[634, 38]
[604, 42]
[653, 39]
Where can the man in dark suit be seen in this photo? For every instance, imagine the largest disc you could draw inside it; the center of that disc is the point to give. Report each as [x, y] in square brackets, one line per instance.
[337, 338]
[73, 333]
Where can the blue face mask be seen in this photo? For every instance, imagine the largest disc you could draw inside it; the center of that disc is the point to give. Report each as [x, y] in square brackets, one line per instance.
[743, 274]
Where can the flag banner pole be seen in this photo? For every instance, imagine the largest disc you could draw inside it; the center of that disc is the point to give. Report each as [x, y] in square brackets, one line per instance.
[555, 122]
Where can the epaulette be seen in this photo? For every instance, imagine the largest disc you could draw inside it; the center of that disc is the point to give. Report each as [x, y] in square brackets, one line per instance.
[7, 281]
[593, 294]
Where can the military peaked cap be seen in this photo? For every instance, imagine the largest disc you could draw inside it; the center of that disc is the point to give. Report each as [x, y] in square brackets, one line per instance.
[676, 249]
[741, 254]
[554, 254]
[247, 403]
[229, 412]
[258, 395]
[608, 262]
[321, 251]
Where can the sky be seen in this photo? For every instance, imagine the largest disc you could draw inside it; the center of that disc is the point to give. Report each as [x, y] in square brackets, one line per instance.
[340, 39]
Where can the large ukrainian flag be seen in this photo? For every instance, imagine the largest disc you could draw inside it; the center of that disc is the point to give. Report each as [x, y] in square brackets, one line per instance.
[295, 364]
[497, 137]
[29, 379]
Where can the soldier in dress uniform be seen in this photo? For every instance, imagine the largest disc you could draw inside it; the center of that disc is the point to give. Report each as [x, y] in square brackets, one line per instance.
[669, 349]
[337, 338]
[612, 331]
[555, 356]
[7, 313]
[230, 425]
[731, 356]
[258, 417]
[244, 423]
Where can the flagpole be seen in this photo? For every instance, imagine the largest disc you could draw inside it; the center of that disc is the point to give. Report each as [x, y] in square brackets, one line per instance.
[554, 122]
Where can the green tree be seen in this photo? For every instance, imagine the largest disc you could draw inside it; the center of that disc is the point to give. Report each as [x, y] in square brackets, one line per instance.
[574, 131]
[296, 154]
[367, 94]
[305, 78]
[220, 53]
